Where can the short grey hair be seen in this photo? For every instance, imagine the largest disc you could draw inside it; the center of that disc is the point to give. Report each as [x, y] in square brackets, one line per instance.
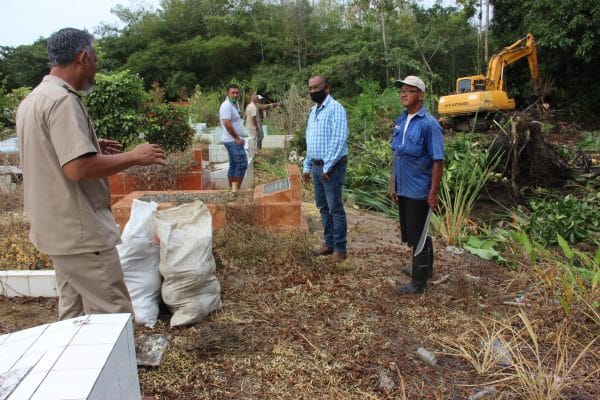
[65, 44]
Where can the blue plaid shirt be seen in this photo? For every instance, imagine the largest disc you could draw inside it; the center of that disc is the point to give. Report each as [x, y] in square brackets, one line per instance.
[326, 135]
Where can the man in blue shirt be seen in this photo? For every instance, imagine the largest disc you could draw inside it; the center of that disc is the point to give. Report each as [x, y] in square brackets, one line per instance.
[326, 159]
[417, 165]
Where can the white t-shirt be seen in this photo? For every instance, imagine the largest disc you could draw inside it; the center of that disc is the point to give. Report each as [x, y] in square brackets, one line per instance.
[408, 118]
[231, 112]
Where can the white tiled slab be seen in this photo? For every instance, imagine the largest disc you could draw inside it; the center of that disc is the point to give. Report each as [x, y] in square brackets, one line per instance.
[91, 357]
[28, 283]
[275, 141]
[66, 384]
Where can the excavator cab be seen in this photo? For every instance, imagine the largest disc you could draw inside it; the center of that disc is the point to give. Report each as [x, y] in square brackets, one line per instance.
[468, 84]
[477, 95]
[463, 85]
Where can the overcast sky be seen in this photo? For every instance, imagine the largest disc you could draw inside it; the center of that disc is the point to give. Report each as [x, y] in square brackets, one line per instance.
[25, 21]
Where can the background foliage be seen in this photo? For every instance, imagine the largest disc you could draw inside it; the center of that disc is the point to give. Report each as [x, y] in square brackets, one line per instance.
[167, 126]
[115, 106]
[272, 45]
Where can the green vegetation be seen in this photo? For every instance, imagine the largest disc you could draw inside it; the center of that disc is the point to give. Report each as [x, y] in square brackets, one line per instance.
[116, 105]
[167, 126]
[577, 220]
[121, 110]
[8, 104]
[204, 106]
[590, 141]
[467, 169]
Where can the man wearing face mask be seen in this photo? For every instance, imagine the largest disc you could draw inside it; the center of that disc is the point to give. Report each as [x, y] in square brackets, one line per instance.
[232, 125]
[66, 193]
[326, 159]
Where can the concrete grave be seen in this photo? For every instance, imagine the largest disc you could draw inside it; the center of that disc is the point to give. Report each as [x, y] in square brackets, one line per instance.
[90, 357]
[277, 204]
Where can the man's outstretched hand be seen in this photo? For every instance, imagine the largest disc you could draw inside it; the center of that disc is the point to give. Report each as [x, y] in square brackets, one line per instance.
[148, 154]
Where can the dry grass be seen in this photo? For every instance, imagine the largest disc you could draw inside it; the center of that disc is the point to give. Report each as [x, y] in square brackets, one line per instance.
[544, 371]
[482, 348]
[16, 251]
[513, 355]
[163, 177]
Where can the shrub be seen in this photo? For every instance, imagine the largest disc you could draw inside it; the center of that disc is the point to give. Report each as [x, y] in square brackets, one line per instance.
[115, 106]
[166, 125]
[204, 107]
[372, 113]
[9, 102]
[573, 219]
[291, 117]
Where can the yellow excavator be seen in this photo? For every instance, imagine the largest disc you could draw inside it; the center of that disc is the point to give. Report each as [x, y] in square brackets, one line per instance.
[478, 95]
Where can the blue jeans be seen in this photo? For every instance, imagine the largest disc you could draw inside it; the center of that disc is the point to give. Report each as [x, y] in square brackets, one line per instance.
[238, 161]
[329, 200]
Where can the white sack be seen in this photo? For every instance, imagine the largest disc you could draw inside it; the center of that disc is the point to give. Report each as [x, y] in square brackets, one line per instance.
[190, 287]
[139, 258]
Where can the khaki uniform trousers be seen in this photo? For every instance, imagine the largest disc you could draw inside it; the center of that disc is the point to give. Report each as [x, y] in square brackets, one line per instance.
[91, 283]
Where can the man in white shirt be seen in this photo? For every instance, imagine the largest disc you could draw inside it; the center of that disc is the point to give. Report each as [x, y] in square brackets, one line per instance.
[233, 134]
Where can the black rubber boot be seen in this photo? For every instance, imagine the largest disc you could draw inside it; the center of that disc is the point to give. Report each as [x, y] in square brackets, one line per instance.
[428, 248]
[420, 273]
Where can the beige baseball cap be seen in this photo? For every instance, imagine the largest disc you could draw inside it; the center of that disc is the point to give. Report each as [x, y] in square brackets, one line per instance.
[411, 80]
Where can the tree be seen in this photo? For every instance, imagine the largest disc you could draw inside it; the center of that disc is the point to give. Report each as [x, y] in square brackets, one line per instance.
[24, 66]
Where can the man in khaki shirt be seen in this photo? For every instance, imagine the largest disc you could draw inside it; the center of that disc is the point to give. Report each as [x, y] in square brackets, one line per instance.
[67, 199]
[253, 121]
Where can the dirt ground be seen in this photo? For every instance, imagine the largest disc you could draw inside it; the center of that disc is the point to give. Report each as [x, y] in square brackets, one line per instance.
[296, 327]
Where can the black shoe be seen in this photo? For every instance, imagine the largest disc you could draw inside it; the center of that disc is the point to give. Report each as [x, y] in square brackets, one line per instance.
[406, 270]
[324, 251]
[338, 256]
[412, 287]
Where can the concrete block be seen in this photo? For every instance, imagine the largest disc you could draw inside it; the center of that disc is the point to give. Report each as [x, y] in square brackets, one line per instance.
[78, 358]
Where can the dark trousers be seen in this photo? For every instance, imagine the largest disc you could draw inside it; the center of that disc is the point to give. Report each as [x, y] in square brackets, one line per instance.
[413, 215]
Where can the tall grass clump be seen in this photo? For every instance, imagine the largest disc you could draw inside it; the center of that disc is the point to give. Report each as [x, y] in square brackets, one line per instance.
[569, 277]
[467, 169]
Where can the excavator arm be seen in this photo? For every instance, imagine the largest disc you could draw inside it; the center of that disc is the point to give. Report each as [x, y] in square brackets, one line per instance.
[481, 94]
[524, 47]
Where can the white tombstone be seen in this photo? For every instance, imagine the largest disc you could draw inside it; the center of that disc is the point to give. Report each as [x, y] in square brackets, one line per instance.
[90, 357]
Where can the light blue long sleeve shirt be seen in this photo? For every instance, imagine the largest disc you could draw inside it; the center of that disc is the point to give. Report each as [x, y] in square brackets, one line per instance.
[326, 135]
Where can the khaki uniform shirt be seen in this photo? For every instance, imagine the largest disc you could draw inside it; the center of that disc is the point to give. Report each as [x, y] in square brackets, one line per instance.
[66, 217]
[252, 111]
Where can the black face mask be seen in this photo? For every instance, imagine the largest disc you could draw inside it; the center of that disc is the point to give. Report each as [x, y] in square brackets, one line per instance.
[319, 96]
